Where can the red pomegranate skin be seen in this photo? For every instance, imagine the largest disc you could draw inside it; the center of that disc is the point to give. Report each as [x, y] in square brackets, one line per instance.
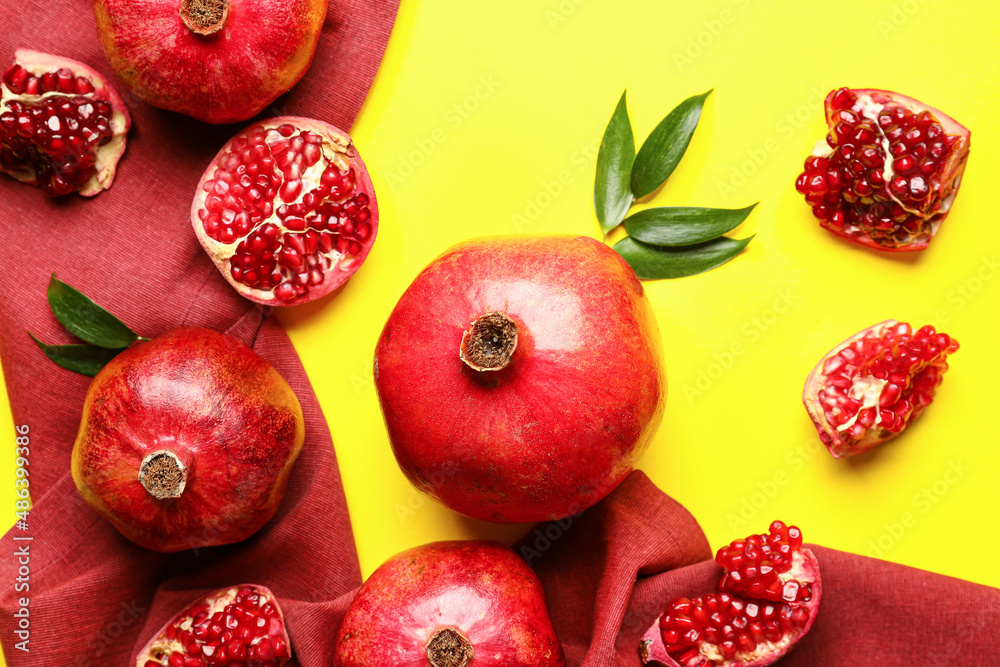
[559, 427]
[226, 414]
[480, 589]
[263, 48]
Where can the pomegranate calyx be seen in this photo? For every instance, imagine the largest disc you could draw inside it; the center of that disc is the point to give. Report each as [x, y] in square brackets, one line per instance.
[204, 17]
[163, 475]
[448, 647]
[489, 343]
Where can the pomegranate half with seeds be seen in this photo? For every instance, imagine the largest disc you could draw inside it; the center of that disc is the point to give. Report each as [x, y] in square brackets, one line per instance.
[220, 61]
[768, 599]
[62, 128]
[236, 626]
[888, 171]
[868, 389]
[187, 441]
[286, 211]
[450, 604]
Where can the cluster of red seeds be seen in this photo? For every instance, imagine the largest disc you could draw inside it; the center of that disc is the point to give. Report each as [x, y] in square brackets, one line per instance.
[261, 177]
[911, 364]
[849, 189]
[732, 624]
[753, 565]
[56, 135]
[248, 632]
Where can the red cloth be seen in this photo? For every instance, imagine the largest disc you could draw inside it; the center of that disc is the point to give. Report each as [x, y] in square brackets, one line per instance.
[95, 597]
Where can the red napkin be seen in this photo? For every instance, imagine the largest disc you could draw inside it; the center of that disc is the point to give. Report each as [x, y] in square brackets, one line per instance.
[95, 597]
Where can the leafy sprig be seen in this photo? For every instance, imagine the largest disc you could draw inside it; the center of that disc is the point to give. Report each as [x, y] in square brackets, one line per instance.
[664, 242]
[104, 336]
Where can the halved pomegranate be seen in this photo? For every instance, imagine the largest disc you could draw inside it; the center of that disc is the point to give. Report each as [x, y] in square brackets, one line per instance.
[872, 386]
[286, 210]
[240, 625]
[770, 595]
[888, 171]
[62, 128]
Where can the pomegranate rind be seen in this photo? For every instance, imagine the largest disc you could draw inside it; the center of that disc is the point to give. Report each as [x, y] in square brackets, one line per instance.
[216, 602]
[805, 568]
[334, 139]
[39, 63]
[945, 185]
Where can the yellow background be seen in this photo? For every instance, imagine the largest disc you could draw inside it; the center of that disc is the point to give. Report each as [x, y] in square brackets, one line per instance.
[485, 119]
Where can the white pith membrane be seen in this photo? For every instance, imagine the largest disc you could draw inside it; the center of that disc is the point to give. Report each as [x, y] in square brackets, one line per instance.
[336, 150]
[217, 602]
[38, 64]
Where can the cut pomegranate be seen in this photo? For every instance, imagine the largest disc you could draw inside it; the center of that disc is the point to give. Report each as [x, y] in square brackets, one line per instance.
[770, 596]
[286, 210]
[62, 128]
[872, 386]
[238, 626]
[888, 171]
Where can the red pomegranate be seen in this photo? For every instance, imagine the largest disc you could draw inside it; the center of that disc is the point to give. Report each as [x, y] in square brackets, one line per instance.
[868, 389]
[237, 626]
[520, 378]
[187, 441]
[769, 597]
[286, 211]
[888, 172]
[62, 128]
[449, 604]
[220, 61]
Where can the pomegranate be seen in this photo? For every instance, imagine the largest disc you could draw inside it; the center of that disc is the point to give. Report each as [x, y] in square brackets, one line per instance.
[888, 171]
[872, 386]
[769, 597]
[220, 61]
[286, 211]
[235, 627]
[521, 378]
[449, 604]
[62, 128]
[187, 441]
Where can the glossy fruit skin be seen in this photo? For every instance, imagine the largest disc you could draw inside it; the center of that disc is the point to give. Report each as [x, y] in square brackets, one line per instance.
[221, 408]
[261, 51]
[481, 589]
[558, 428]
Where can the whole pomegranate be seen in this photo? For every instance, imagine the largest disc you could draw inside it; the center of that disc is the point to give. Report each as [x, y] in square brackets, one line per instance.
[769, 597]
[220, 61]
[286, 210]
[449, 604]
[236, 626]
[888, 171]
[187, 441]
[868, 389]
[62, 128]
[520, 378]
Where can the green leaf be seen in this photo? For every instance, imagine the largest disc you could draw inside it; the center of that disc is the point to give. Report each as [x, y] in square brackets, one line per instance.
[655, 262]
[612, 193]
[665, 146]
[83, 359]
[85, 319]
[683, 225]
